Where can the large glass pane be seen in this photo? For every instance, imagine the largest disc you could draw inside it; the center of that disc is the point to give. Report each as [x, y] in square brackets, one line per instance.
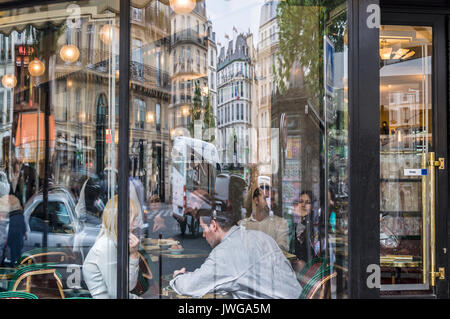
[58, 149]
[239, 118]
[405, 140]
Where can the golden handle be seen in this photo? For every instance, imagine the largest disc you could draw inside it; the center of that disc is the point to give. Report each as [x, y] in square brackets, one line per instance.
[431, 169]
[432, 164]
[424, 220]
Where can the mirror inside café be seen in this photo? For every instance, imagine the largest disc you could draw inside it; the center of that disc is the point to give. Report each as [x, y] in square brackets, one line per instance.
[406, 188]
[238, 125]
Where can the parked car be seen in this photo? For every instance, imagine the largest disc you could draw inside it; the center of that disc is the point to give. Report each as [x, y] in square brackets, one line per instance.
[65, 229]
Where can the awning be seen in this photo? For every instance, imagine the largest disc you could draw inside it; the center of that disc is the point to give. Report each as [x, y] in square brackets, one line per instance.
[30, 136]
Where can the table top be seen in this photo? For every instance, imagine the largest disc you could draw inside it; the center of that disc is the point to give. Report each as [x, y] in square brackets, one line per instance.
[289, 256]
[169, 292]
[186, 253]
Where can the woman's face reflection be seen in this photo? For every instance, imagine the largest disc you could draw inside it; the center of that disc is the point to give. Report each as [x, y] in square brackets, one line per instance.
[305, 205]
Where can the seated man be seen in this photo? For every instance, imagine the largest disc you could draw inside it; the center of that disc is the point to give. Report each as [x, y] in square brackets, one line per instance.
[244, 263]
[264, 220]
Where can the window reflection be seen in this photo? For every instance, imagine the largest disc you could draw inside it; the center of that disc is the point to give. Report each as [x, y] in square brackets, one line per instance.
[253, 125]
[238, 134]
[58, 145]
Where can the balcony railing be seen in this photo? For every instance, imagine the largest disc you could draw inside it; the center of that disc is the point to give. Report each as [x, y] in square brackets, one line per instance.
[188, 35]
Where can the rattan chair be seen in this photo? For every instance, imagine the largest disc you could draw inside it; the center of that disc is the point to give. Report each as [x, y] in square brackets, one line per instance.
[318, 287]
[147, 277]
[310, 269]
[17, 295]
[44, 255]
[39, 279]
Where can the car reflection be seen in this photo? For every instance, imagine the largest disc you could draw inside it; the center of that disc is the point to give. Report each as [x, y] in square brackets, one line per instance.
[66, 229]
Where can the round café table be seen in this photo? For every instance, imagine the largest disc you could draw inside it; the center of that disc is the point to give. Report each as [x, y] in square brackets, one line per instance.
[169, 293]
[186, 253]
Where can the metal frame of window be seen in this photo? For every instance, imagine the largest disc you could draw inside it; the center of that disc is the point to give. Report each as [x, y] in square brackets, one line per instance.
[364, 147]
[124, 123]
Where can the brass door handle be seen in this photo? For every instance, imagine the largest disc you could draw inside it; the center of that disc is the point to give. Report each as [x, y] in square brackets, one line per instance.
[424, 222]
[431, 168]
[440, 163]
[432, 164]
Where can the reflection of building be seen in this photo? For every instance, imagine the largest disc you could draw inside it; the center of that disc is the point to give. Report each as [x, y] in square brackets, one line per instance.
[212, 70]
[150, 96]
[266, 63]
[7, 45]
[84, 99]
[189, 50]
[235, 77]
[298, 144]
[84, 102]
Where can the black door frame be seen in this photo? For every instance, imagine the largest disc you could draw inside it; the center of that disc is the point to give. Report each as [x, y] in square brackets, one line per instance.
[364, 153]
[435, 18]
[364, 146]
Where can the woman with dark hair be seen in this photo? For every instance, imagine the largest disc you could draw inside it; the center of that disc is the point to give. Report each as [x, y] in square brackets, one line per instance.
[304, 230]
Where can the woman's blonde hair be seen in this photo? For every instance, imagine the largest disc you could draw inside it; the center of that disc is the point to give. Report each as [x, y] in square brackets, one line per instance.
[109, 218]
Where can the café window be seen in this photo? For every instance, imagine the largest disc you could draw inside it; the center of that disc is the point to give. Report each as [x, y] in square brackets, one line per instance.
[59, 145]
[217, 154]
[282, 172]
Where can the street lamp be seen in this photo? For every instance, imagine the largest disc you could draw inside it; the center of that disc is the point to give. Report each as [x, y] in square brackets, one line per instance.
[36, 67]
[9, 81]
[69, 53]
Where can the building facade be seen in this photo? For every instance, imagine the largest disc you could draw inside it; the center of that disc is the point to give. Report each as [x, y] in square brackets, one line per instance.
[235, 84]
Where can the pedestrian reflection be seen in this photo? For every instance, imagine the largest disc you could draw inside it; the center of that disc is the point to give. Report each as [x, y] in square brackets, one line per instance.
[263, 219]
[100, 265]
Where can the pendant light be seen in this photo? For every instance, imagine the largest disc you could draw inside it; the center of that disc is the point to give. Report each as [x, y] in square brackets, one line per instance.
[69, 53]
[108, 33]
[9, 81]
[182, 6]
[36, 67]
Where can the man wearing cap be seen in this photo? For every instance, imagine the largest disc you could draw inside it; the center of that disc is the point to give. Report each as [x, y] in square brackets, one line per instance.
[264, 220]
[244, 263]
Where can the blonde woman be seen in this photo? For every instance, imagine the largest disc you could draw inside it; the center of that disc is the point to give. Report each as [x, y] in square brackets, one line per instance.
[100, 265]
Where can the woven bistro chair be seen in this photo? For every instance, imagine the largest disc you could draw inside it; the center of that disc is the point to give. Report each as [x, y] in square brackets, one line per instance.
[43, 256]
[318, 287]
[17, 295]
[310, 269]
[39, 279]
[147, 277]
